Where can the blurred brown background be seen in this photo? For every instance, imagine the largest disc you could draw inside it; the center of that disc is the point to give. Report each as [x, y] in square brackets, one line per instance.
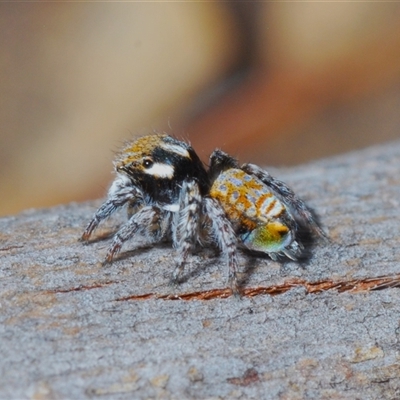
[272, 83]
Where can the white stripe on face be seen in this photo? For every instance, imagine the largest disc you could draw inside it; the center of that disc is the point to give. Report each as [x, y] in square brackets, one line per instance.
[174, 148]
[160, 170]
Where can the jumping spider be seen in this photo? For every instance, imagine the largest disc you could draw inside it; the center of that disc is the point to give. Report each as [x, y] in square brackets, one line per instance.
[171, 196]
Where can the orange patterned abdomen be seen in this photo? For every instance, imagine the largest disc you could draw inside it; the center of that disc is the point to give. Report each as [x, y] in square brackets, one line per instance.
[252, 206]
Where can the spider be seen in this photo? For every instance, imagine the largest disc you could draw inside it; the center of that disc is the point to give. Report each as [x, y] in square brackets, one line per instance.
[169, 195]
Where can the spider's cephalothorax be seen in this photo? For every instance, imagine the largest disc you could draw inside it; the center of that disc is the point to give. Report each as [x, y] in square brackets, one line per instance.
[169, 195]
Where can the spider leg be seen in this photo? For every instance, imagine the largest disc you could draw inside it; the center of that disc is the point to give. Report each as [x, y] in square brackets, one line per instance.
[119, 193]
[287, 196]
[225, 237]
[186, 224]
[146, 221]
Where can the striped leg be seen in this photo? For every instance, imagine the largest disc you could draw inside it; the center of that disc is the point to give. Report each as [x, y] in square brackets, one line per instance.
[186, 224]
[226, 239]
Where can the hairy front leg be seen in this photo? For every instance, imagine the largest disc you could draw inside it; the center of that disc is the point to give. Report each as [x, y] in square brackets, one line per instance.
[120, 192]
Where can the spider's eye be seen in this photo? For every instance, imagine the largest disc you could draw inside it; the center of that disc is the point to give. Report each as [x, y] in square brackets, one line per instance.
[147, 163]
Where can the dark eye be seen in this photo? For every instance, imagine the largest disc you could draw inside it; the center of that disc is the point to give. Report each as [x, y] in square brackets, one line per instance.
[147, 163]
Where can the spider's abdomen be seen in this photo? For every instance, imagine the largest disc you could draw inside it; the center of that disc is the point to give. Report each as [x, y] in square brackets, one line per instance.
[261, 219]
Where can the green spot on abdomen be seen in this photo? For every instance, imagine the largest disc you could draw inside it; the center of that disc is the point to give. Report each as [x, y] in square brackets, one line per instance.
[270, 238]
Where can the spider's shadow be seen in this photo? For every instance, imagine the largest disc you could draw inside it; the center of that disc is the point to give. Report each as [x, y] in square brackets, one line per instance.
[140, 248]
[193, 270]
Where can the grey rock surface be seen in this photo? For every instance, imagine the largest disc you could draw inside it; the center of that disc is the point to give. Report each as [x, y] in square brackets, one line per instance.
[71, 327]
